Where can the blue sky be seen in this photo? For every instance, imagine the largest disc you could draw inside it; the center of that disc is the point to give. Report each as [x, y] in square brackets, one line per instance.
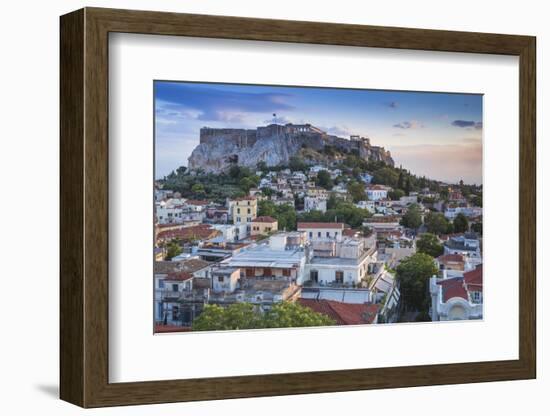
[432, 134]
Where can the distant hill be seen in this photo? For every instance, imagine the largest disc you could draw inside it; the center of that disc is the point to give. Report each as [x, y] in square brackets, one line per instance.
[275, 144]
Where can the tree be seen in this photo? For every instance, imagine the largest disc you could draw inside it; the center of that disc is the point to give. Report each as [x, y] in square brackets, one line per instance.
[401, 180]
[247, 316]
[460, 223]
[284, 214]
[436, 223]
[478, 227]
[408, 186]
[324, 180]
[429, 244]
[296, 163]
[478, 200]
[291, 315]
[261, 165]
[385, 176]
[396, 194]
[235, 316]
[357, 191]
[198, 189]
[413, 218]
[173, 249]
[246, 183]
[413, 274]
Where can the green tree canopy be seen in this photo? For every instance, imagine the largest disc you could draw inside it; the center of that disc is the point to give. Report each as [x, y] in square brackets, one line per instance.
[324, 180]
[291, 315]
[385, 176]
[247, 316]
[413, 217]
[296, 163]
[396, 194]
[284, 214]
[173, 249]
[436, 223]
[413, 274]
[357, 191]
[460, 223]
[429, 244]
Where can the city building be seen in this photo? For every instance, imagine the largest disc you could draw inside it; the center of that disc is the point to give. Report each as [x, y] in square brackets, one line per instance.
[377, 192]
[263, 225]
[457, 298]
[321, 230]
[283, 257]
[315, 203]
[244, 209]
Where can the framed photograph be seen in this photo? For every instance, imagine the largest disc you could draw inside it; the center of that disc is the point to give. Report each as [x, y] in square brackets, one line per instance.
[255, 207]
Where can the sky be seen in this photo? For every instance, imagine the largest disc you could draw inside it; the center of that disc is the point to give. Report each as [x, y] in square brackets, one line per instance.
[438, 135]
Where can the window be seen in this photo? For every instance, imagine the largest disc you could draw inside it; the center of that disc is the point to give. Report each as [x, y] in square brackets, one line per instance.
[328, 233]
[286, 272]
[314, 276]
[175, 287]
[238, 210]
[175, 313]
[248, 210]
[220, 279]
[161, 284]
[310, 234]
[319, 234]
[249, 219]
[339, 276]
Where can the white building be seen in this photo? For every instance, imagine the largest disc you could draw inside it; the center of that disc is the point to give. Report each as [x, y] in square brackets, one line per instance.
[457, 298]
[346, 265]
[314, 203]
[368, 205]
[283, 257]
[470, 212]
[225, 279]
[322, 230]
[232, 232]
[377, 192]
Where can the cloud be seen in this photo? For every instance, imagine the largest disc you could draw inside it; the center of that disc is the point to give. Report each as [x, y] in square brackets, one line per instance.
[413, 124]
[213, 103]
[221, 116]
[337, 130]
[478, 125]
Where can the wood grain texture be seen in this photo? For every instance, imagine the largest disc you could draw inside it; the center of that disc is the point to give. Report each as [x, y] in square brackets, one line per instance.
[71, 218]
[84, 207]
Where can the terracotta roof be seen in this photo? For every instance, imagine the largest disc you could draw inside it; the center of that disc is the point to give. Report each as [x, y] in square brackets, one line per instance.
[350, 232]
[343, 313]
[264, 218]
[200, 231]
[453, 288]
[160, 329]
[450, 257]
[245, 198]
[181, 276]
[188, 266]
[336, 225]
[197, 202]
[474, 279]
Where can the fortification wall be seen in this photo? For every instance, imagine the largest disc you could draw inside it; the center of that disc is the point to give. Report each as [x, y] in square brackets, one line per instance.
[239, 137]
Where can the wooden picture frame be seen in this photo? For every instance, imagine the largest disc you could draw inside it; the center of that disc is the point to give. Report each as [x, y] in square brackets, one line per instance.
[84, 207]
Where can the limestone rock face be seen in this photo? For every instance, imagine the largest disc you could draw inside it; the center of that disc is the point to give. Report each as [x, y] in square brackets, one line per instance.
[219, 149]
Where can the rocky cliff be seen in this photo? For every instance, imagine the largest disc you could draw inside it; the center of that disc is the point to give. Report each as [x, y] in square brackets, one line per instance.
[274, 145]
